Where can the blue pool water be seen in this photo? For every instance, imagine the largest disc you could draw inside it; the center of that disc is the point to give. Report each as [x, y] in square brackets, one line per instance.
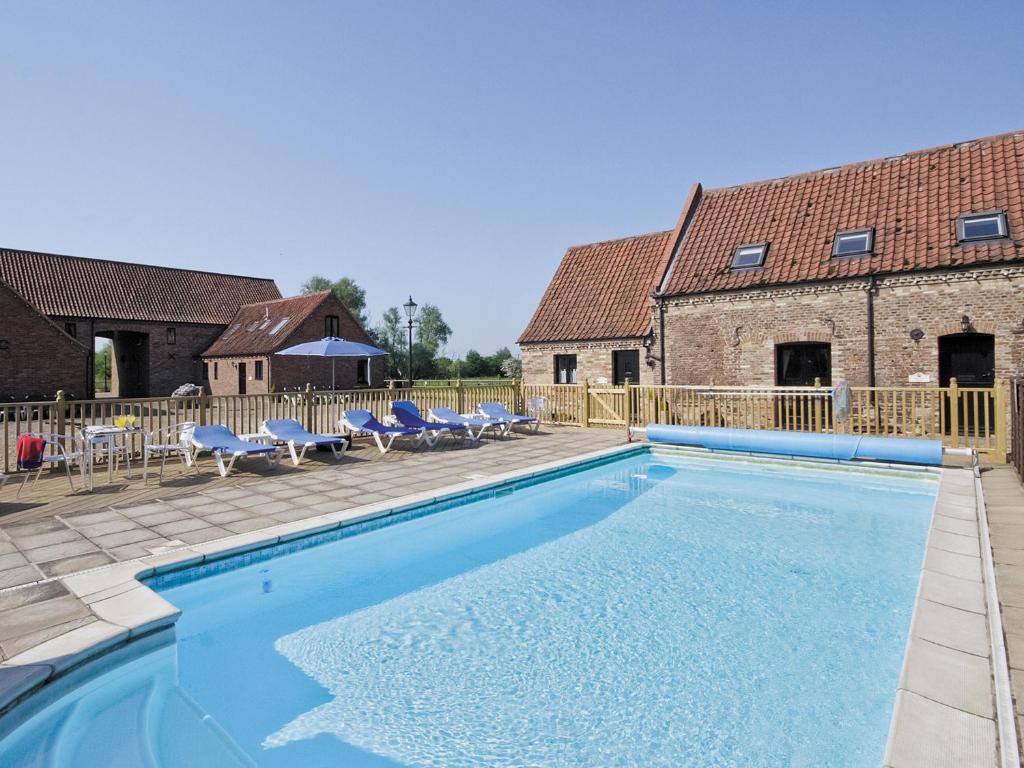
[654, 611]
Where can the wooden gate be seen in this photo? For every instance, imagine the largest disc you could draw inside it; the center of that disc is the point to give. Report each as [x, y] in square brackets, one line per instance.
[606, 406]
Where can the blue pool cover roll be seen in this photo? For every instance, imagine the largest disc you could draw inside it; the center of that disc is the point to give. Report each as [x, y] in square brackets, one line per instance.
[902, 450]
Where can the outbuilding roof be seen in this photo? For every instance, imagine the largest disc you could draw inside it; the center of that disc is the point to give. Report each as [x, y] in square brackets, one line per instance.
[259, 329]
[600, 290]
[72, 286]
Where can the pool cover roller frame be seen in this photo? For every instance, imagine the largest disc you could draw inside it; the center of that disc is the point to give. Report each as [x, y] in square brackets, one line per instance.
[901, 450]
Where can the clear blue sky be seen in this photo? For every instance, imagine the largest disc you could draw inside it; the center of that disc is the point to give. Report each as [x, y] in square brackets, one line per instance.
[454, 150]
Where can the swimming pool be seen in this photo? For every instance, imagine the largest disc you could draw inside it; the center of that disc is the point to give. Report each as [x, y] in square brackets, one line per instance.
[658, 610]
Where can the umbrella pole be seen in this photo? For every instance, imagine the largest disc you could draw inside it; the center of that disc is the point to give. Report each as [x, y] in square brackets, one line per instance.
[332, 374]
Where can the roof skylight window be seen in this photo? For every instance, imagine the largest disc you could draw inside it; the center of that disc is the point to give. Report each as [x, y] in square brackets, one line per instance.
[853, 242]
[278, 326]
[981, 226]
[749, 256]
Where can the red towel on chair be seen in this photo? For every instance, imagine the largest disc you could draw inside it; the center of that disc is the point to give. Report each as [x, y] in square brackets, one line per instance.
[30, 451]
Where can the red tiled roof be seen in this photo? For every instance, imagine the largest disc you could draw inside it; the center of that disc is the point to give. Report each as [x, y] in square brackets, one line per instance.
[260, 329]
[600, 290]
[76, 287]
[912, 201]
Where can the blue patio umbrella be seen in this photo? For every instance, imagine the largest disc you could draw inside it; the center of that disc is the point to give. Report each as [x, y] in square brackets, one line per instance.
[333, 347]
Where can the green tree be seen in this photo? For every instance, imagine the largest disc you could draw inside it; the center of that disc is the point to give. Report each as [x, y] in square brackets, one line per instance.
[432, 332]
[512, 368]
[390, 336]
[102, 367]
[346, 290]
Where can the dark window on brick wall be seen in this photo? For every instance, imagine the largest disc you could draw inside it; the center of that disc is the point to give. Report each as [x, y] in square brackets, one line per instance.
[215, 371]
[71, 329]
[172, 336]
[331, 325]
[257, 370]
[565, 369]
[626, 365]
[206, 371]
[363, 372]
[799, 364]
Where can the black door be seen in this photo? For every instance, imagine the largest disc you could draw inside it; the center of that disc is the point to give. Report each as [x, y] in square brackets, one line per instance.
[241, 378]
[799, 364]
[627, 366]
[969, 357]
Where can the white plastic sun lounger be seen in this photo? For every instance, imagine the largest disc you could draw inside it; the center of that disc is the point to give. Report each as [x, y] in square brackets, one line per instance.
[363, 422]
[290, 432]
[221, 441]
[480, 423]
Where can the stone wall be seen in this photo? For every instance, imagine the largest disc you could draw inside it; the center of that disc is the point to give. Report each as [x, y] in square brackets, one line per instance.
[730, 338]
[593, 361]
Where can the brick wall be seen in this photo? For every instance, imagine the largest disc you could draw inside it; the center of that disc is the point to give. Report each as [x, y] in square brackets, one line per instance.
[288, 373]
[730, 338]
[593, 361]
[36, 357]
[167, 365]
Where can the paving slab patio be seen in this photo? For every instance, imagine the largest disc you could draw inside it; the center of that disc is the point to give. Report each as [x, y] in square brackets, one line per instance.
[1004, 501]
[48, 533]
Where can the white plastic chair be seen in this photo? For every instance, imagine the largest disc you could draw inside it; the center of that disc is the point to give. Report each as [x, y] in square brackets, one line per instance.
[175, 440]
[57, 450]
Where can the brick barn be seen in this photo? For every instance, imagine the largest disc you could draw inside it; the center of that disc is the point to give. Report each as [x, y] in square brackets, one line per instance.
[242, 360]
[904, 270]
[160, 321]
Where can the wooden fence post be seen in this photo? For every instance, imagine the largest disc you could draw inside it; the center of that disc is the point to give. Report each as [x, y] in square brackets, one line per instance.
[202, 409]
[585, 405]
[460, 397]
[954, 412]
[817, 406]
[58, 406]
[309, 408]
[999, 406]
[627, 406]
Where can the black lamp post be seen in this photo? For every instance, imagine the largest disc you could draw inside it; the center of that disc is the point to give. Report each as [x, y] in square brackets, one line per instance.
[410, 312]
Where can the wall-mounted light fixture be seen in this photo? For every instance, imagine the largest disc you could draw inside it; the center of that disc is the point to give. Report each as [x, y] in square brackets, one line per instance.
[649, 357]
[917, 334]
[965, 324]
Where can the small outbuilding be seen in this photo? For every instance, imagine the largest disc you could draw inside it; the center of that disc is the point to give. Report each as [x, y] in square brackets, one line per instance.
[243, 361]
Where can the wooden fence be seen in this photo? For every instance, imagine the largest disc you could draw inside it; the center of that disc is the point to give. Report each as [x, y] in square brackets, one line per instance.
[959, 416]
[318, 411]
[1017, 422]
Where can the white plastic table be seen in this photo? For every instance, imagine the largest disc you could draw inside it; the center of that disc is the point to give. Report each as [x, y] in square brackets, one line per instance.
[106, 431]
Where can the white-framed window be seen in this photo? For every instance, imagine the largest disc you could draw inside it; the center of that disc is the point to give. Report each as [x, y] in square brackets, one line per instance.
[749, 256]
[853, 242]
[981, 226]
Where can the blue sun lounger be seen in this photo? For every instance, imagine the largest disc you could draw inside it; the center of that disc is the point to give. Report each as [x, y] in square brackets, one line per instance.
[221, 442]
[363, 422]
[479, 423]
[290, 432]
[499, 411]
[408, 415]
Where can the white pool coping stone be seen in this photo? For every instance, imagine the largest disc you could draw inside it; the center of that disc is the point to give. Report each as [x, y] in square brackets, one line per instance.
[944, 712]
